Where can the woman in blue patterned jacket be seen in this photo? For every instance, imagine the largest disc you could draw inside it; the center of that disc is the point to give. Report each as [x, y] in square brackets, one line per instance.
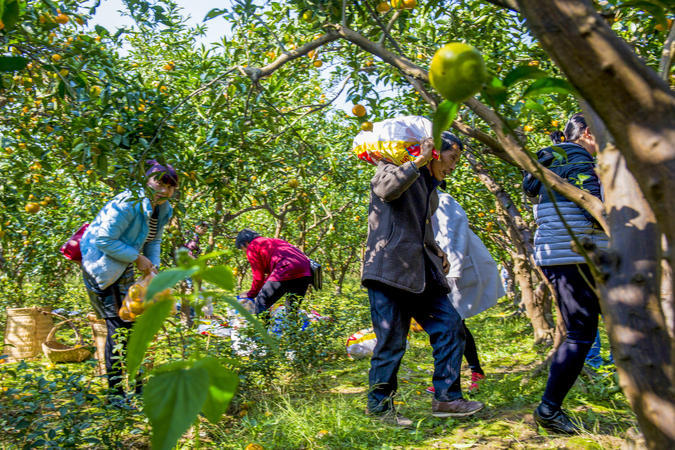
[572, 158]
[127, 231]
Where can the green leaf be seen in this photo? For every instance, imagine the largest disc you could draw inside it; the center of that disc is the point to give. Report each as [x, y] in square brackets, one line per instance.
[218, 275]
[167, 279]
[12, 63]
[215, 12]
[521, 73]
[143, 332]
[548, 86]
[10, 14]
[495, 92]
[222, 386]
[443, 118]
[172, 400]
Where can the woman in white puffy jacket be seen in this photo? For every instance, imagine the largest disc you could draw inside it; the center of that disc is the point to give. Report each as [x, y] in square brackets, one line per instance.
[473, 276]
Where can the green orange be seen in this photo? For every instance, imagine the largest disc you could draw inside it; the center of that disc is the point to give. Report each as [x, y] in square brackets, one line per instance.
[457, 71]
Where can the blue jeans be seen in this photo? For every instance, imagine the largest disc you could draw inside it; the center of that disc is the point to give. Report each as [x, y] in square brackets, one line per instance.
[391, 310]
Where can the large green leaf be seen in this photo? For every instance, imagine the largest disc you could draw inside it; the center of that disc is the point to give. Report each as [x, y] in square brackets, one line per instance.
[222, 386]
[12, 63]
[10, 13]
[521, 73]
[548, 86]
[167, 279]
[172, 400]
[443, 118]
[143, 332]
[218, 275]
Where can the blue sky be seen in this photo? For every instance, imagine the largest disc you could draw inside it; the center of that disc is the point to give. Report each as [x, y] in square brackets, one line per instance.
[108, 16]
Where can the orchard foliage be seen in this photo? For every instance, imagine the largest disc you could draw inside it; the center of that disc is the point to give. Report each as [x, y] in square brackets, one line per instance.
[258, 124]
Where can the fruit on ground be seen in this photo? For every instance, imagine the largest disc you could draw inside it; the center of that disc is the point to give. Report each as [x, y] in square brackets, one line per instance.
[367, 126]
[457, 71]
[359, 110]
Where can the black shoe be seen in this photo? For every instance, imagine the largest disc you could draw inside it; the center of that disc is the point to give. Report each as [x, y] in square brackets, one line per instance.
[559, 422]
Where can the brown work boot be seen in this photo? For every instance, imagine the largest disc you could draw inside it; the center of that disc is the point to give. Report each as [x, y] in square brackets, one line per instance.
[391, 417]
[455, 408]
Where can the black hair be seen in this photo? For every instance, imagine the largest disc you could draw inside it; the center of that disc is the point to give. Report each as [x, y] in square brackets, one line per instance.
[245, 237]
[448, 140]
[557, 136]
[575, 127]
[165, 173]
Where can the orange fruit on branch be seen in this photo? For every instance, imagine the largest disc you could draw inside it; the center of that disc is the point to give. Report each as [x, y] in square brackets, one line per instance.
[32, 207]
[359, 110]
[367, 126]
[383, 7]
[457, 71]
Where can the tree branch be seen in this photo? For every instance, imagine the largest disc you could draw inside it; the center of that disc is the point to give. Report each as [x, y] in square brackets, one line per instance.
[667, 54]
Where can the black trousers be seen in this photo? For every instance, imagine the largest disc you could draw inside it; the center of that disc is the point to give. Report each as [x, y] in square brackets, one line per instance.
[580, 308]
[471, 352]
[272, 291]
[113, 363]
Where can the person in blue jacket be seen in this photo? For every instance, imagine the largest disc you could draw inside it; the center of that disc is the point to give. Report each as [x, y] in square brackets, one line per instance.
[126, 232]
[571, 157]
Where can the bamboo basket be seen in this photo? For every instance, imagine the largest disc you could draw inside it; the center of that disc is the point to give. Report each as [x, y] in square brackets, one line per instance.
[58, 352]
[100, 332]
[26, 330]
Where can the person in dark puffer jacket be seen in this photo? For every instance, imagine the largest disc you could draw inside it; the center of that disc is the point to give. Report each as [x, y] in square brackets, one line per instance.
[571, 158]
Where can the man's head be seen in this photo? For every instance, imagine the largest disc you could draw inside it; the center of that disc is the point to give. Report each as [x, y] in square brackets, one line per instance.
[244, 238]
[451, 150]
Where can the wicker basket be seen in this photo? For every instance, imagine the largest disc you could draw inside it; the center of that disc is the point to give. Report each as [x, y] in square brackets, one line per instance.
[58, 352]
[26, 330]
[100, 332]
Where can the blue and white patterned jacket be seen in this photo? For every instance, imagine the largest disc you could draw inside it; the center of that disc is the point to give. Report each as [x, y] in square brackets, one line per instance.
[116, 237]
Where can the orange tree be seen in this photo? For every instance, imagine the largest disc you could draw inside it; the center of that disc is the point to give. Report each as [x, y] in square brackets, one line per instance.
[252, 127]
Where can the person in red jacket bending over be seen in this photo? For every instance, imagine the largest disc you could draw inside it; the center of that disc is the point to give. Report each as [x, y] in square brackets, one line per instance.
[278, 268]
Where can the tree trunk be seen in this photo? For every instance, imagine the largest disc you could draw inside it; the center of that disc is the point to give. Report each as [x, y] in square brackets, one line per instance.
[630, 301]
[535, 309]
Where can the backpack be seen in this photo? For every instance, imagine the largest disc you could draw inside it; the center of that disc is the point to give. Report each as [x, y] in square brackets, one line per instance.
[71, 249]
[317, 277]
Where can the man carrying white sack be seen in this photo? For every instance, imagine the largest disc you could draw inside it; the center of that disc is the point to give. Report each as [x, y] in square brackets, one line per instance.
[473, 276]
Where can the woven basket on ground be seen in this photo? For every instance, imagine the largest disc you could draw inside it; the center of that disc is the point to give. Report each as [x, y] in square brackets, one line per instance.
[26, 330]
[58, 352]
[100, 333]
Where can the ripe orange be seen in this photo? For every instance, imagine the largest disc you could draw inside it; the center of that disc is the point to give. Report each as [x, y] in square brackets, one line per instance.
[311, 53]
[318, 63]
[528, 128]
[457, 71]
[61, 19]
[359, 110]
[367, 126]
[533, 63]
[32, 207]
[555, 123]
[56, 57]
[95, 90]
[383, 7]
[80, 168]
[409, 4]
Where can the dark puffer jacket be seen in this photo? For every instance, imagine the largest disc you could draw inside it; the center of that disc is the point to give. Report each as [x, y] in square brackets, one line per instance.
[552, 241]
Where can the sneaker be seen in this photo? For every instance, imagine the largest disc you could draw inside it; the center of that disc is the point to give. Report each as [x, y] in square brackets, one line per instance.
[430, 390]
[456, 408]
[475, 378]
[559, 422]
[391, 417]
